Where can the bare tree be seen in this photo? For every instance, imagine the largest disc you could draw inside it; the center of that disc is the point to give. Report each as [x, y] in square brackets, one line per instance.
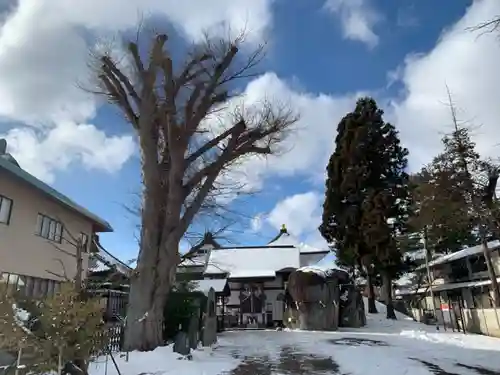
[476, 180]
[184, 153]
[492, 25]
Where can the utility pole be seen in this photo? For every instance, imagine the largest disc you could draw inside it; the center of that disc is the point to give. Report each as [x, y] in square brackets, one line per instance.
[429, 277]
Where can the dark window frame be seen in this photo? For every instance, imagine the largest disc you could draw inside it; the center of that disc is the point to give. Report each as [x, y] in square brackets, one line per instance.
[478, 263]
[9, 216]
[39, 229]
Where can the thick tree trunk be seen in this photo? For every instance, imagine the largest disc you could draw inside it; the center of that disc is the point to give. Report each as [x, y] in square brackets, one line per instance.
[148, 295]
[145, 312]
[387, 286]
[372, 308]
[492, 274]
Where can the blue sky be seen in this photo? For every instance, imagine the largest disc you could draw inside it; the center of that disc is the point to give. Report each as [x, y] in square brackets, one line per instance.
[321, 55]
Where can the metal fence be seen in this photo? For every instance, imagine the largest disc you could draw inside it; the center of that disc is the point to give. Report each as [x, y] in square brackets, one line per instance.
[113, 336]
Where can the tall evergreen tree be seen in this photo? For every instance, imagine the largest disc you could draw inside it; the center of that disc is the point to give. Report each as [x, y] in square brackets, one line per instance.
[386, 209]
[365, 187]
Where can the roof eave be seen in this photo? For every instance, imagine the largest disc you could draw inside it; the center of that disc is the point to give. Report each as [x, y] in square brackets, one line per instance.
[102, 227]
[315, 252]
[99, 224]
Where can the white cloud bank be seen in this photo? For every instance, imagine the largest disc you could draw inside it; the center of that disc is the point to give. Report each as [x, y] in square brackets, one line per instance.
[43, 54]
[468, 64]
[44, 51]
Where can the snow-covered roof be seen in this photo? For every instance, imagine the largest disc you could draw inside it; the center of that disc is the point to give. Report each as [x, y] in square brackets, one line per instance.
[105, 260]
[195, 261]
[205, 285]
[446, 286]
[463, 253]
[245, 274]
[252, 262]
[322, 271]
[416, 255]
[286, 239]
[406, 280]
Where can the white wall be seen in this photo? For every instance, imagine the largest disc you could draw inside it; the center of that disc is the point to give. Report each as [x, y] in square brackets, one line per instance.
[308, 259]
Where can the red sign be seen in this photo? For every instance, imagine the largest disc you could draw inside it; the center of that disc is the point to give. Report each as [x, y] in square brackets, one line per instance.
[445, 307]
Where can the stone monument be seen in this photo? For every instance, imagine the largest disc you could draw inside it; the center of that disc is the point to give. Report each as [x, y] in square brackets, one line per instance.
[210, 320]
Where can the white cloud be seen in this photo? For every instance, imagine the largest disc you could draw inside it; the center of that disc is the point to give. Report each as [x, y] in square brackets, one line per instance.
[299, 212]
[58, 147]
[468, 64]
[307, 148]
[358, 19]
[44, 51]
[256, 223]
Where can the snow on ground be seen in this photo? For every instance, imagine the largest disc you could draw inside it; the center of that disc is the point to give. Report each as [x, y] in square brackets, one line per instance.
[163, 360]
[382, 347]
[407, 327]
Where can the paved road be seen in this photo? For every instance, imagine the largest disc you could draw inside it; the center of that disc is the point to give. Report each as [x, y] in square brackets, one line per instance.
[350, 353]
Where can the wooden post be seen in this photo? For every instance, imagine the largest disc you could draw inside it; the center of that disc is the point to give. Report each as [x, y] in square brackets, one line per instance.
[18, 361]
[429, 277]
[79, 266]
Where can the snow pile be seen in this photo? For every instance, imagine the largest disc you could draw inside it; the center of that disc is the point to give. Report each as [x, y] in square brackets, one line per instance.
[406, 327]
[379, 322]
[471, 341]
[22, 318]
[164, 360]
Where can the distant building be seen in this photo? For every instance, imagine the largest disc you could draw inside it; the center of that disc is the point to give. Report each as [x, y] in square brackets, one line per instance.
[256, 275]
[463, 296]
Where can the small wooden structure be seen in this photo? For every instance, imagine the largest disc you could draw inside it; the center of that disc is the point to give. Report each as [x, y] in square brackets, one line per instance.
[113, 289]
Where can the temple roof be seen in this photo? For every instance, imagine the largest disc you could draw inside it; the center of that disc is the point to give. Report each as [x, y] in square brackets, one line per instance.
[253, 261]
[284, 238]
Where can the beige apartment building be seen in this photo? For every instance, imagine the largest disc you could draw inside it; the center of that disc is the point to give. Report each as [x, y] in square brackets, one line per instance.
[463, 298]
[39, 228]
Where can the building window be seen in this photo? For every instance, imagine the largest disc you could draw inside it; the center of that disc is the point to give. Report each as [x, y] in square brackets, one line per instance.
[49, 228]
[84, 241]
[5, 210]
[478, 263]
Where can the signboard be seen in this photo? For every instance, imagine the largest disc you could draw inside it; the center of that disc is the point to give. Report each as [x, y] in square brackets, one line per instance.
[445, 307]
